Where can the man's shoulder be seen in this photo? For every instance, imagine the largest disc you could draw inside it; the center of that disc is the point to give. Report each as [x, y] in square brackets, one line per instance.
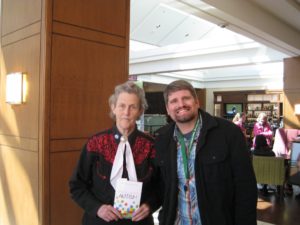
[145, 136]
[165, 130]
[214, 121]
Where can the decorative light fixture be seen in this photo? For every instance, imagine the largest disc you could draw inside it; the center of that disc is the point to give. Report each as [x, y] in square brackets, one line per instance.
[297, 109]
[15, 88]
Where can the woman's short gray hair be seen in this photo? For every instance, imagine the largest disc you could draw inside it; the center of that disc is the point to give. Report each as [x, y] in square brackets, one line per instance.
[131, 88]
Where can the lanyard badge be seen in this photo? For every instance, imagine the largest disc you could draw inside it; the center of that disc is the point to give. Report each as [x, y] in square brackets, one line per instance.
[185, 150]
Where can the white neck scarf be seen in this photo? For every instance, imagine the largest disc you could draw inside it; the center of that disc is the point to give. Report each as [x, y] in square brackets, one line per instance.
[117, 168]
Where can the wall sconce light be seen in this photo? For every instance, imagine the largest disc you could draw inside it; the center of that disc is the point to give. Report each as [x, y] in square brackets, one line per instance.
[15, 88]
[297, 109]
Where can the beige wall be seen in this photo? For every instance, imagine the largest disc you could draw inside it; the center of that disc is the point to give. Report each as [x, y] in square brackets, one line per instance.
[74, 52]
[291, 92]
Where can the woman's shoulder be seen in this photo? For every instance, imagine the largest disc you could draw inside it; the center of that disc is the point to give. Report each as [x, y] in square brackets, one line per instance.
[101, 134]
[105, 137]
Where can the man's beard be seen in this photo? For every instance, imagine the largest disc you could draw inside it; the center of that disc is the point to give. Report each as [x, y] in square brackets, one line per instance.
[186, 118]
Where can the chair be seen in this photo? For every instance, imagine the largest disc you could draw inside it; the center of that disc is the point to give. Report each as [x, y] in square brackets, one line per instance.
[270, 170]
[283, 140]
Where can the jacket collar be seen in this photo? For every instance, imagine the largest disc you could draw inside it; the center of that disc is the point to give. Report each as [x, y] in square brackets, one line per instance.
[208, 122]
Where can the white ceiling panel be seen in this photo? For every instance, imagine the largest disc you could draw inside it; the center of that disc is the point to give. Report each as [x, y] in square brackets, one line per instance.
[203, 41]
[139, 11]
[191, 29]
[222, 37]
[158, 24]
[265, 69]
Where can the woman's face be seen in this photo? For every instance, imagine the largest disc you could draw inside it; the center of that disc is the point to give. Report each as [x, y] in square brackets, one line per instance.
[243, 118]
[262, 120]
[127, 111]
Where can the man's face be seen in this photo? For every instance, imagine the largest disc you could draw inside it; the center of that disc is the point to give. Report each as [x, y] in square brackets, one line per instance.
[182, 107]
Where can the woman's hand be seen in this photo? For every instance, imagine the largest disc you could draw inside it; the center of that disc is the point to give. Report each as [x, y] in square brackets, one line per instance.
[142, 212]
[108, 213]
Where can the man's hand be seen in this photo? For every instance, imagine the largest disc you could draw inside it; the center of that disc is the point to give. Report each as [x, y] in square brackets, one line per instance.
[108, 213]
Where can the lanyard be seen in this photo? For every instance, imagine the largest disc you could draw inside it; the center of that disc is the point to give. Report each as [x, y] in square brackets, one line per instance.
[185, 151]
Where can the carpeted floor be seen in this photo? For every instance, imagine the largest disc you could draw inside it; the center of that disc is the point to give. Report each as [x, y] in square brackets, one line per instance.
[258, 222]
[263, 223]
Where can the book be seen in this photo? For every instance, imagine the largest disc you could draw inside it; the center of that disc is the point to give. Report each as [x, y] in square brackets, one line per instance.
[127, 197]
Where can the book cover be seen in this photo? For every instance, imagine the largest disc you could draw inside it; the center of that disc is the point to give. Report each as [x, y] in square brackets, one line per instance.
[127, 197]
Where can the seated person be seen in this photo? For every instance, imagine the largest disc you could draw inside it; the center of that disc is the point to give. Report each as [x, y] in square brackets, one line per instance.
[262, 149]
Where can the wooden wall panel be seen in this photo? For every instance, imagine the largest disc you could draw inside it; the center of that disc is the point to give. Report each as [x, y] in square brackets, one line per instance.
[20, 177]
[63, 211]
[75, 52]
[83, 76]
[19, 35]
[18, 187]
[67, 145]
[17, 14]
[16, 142]
[291, 73]
[233, 97]
[290, 119]
[109, 16]
[291, 92]
[24, 56]
[84, 34]
[89, 56]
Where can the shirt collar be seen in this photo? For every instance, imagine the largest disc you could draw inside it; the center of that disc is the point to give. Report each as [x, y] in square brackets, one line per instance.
[117, 135]
[176, 130]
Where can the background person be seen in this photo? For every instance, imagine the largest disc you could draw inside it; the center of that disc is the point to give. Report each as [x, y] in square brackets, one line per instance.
[206, 171]
[261, 147]
[239, 119]
[262, 127]
[91, 184]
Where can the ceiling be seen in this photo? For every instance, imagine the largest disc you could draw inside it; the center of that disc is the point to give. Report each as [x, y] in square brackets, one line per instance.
[213, 43]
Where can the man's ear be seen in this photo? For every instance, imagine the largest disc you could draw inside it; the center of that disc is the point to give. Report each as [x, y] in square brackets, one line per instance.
[198, 102]
[167, 110]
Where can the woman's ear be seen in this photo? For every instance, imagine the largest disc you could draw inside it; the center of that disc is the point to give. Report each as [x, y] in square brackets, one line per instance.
[112, 108]
[141, 113]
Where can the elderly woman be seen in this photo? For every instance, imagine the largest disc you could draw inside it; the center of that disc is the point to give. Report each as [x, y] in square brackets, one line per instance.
[262, 127]
[93, 182]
